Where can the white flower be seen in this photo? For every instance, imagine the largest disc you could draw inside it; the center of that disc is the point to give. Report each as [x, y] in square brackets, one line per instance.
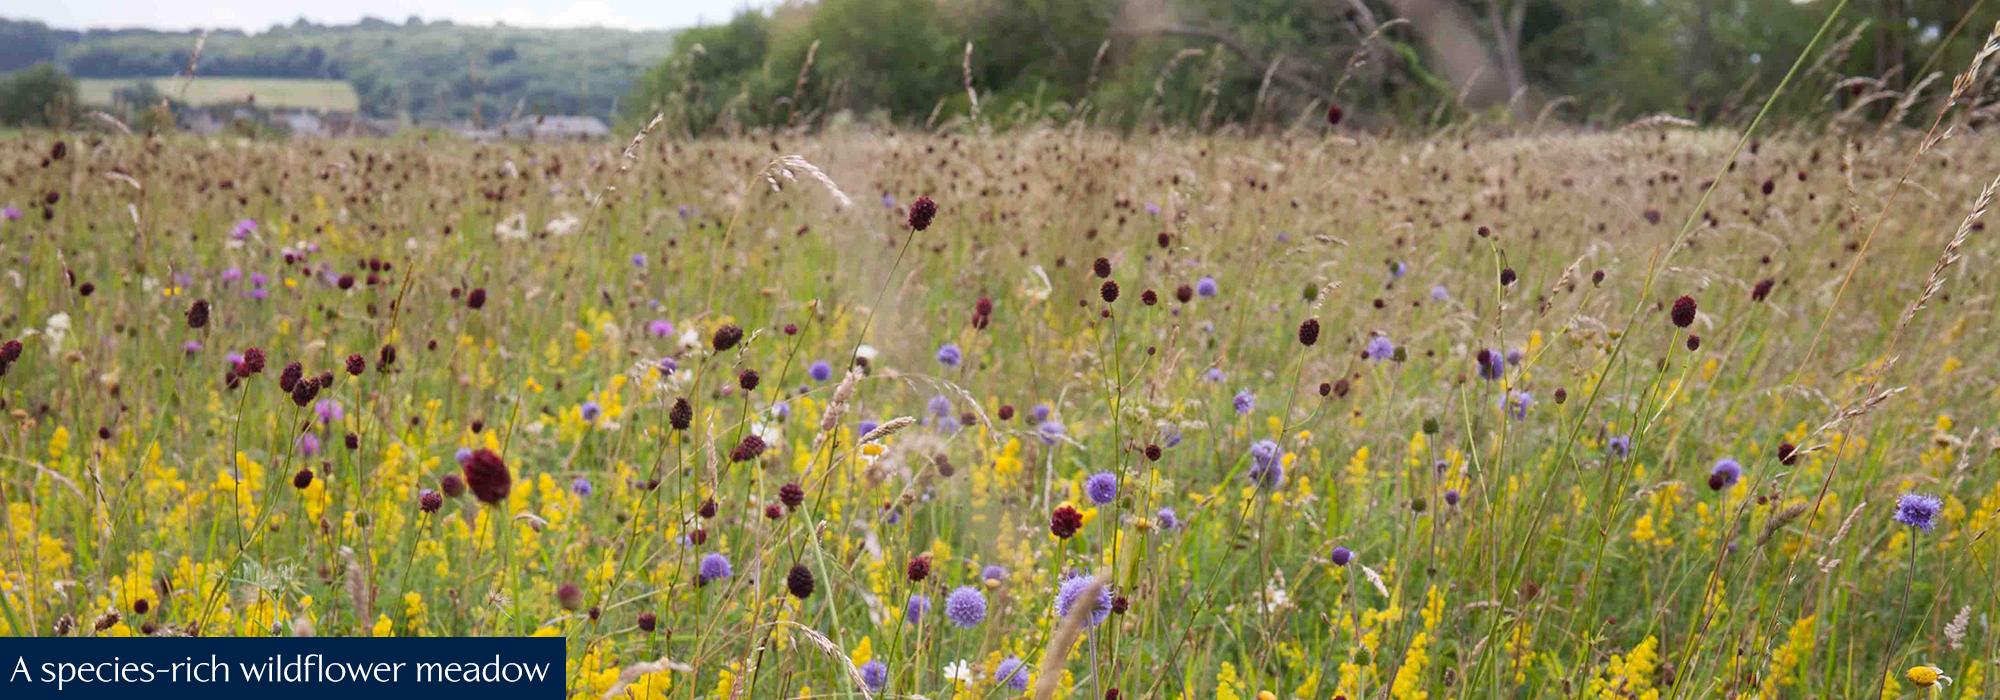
[1037, 286]
[959, 671]
[563, 225]
[866, 352]
[58, 328]
[515, 228]
[691, 339]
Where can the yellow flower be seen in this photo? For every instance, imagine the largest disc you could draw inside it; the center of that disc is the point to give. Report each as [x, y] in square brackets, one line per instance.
[1927, 676]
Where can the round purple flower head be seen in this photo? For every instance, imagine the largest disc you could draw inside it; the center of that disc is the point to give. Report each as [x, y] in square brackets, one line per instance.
[191, 347]
[1451, 497]
[1397, 268]
[940, 406]
[1102, 488]
[1206, 287]
[1167, 519]
[1516, 404]
[1267, 465]
[993, 572]
[913, 611]
[1051, 431]
[1153, 208]
[1918, 510]
[1724, 474]
[1491, 365]
[1244, 402]
[639, 260]
[1011, 672]
[667, 366]
[660, 328]
[244, 227]
[329, 411]
[308, 445]
[949, 355]
[1342, 555]
[463, 455]
[1072, 588]
[965, 606]
[875, 675]
[1214, 374]
[1040, 413]
[11, 213]
[1439, 293]
[580, 487]
[713, 566]
[590, 411]
[1380, 348]
[1620, 445]
[820, 371]
[867, 426]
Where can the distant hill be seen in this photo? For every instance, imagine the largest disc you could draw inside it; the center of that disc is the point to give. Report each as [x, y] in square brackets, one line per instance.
[426, 70]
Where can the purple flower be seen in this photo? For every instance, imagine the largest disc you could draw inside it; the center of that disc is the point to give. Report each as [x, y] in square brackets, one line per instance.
[580, 487]
[1620, 445]
[866, 426]
[1438, 293]
[949, 355]
[1491, 366]
[1451, 497]
[464, 456]
[1516, 404]
[660, 328]
[639, 260]
[1267, 465]
[820, 371]
[1396, 269]
[993, 572]
[685, 212]
[965, 606]
[11, 213]
[308, 445]
[940, 406]
[590, 411]
[1213, 374]
[913, 611]
[1011, 672]
[191, 347]
[667, 366]
[1918, 511]
[1102, 488]
[1167, 519]
[329, 411]
[1153, 209]
[230, 275]
[244, 227]
[713, 566]
[1379, 348]
[1244, 402]
[1342, 555]
[888, 201]
[875, 675]
[1039, 413]
[1050, 431]
[1072, 588]
[1724, 474]
[1206, 287]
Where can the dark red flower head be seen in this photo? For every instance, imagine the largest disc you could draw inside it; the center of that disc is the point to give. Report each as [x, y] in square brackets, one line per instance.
[1064, 521]
[487, 475]
[919, 568]
[1309, 332]
[727, 337]
[453, 485]
[792, 495]
[799, 581]
[921, 213]
[253, 361]
[197, 314]
[1683, 313]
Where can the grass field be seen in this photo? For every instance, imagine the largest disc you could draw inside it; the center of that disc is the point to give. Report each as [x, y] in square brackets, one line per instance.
[1168, 417]
[296, 93]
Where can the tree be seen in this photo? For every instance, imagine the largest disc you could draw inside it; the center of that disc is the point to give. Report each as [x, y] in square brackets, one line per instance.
[38, 96]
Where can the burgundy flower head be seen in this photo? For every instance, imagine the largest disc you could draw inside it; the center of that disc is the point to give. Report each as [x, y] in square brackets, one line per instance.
[921, 213]
[487, 476]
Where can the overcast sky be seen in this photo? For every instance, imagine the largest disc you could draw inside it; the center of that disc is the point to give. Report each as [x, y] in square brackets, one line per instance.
[256, 15]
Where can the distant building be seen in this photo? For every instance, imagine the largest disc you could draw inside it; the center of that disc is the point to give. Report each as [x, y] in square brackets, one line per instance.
[555, 128]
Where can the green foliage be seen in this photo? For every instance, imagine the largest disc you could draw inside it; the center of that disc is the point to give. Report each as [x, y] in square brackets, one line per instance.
[38, 96]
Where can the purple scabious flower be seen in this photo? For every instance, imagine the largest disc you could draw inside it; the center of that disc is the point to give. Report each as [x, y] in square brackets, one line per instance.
[660, 328]
[913, 611]
[1516, 404]
[875, 675]
[888, 201]
[686, 212]
[639, 260]
[244, 228]
[993, 572]
[940, 406]
[1379, 348]
[949, 355]
[1396, 269]
[1918, 510]
[820, 371]
[1267, 465]
[1152, 208]
[965, 606]
[231, 275]
[1491, 365]
[191, 347]
[1341, 555]
[1102, 488]
[713, 566]
[463, 456]
[308, 444]
[580, 487]
[1451, 497]
[1439, 293]
[667, 366]
[329, 411]
[1167, 519]
[1050, 431]
[1244, 402]
[1206, 288]
[1514, 358]
[590, 411]
[1040, 413]
[1213, 374]
[1620, 446]
[11, 213]
[866, 426]
[1724, 474]
[1072, 588]
[1011, 672]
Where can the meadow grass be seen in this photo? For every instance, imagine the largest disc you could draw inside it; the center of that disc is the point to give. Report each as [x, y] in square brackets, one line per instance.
[1374, 513]
[289, 93]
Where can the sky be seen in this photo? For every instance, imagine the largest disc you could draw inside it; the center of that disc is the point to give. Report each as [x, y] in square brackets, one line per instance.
[257, 15]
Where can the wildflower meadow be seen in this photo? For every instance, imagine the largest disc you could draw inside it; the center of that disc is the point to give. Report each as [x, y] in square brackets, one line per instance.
[1658, 412]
